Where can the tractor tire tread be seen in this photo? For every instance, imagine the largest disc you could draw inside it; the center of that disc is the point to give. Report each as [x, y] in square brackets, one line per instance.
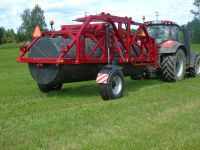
[168, 65]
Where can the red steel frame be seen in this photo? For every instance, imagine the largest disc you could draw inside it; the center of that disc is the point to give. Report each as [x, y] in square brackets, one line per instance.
[121, 42]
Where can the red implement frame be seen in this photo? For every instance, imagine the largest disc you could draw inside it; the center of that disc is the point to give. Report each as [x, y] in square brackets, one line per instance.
[116, 30]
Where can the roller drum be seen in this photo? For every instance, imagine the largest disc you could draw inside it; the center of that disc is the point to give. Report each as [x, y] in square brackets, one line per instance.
[53, 73]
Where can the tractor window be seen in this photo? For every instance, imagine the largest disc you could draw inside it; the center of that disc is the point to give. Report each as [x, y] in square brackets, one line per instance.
[160, 32]
[176, 34]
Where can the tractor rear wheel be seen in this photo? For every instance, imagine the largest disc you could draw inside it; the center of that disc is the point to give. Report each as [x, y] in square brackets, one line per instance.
[47, 88]
[173, 66]
[195, 71]
[115, 86]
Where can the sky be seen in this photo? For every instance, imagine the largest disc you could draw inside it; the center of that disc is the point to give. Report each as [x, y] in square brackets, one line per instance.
[64, 11]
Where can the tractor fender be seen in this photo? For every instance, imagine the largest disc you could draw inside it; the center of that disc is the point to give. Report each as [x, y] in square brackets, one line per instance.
[193, 56]
[105, 73]
[173, 49]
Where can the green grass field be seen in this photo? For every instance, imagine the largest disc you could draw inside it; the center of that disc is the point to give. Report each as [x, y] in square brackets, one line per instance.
[152, 114]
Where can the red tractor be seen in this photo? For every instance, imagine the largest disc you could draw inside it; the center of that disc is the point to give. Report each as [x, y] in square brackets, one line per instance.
[106, 48]
[175, 58]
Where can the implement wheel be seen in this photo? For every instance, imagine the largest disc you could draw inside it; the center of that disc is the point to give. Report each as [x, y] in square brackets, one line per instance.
[173, 66]
[47, 88]
[115, 86]
[195, 71]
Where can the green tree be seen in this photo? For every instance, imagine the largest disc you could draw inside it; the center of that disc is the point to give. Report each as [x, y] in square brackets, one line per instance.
[7, 36]
[10, 36]
[30, 19]
[2, 32]
[25, 26]
[194, 27]
[37, 18]
[197, 11]
[20, 37]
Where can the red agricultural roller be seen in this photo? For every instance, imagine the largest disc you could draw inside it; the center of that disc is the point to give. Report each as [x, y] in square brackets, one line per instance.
[107, 48]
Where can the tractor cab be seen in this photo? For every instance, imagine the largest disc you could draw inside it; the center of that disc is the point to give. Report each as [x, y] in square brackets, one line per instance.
[164, 31]
[169, 38]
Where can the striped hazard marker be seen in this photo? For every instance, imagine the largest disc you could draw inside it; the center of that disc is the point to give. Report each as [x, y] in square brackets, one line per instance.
[102, 78]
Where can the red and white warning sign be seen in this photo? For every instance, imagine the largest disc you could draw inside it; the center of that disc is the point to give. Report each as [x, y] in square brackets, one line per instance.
[102, 78]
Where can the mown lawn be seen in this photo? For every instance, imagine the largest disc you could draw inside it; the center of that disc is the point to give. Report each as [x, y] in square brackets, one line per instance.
[152, 114]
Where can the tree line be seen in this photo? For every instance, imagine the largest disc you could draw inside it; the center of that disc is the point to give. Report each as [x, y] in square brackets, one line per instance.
[194, 25]
[30, 19]
[34, 17]
[7, 36]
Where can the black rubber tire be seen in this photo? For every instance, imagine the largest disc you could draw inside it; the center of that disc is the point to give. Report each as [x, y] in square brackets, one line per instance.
[57, 87]
[195, 71]
[106, 90]
[169, 66]
[45, 88]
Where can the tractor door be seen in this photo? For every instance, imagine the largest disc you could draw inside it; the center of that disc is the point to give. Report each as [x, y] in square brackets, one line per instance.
[176, 34]
[186, 38]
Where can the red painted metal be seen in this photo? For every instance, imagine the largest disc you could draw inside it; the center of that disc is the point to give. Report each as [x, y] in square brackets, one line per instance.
[122, 41]
[167, 44]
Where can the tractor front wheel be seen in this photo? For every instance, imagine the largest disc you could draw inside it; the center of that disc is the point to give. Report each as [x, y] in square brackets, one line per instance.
[173, 66]
[115, 86]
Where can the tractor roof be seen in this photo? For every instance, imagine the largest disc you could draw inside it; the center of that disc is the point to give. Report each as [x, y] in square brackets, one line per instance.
[161, 22]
